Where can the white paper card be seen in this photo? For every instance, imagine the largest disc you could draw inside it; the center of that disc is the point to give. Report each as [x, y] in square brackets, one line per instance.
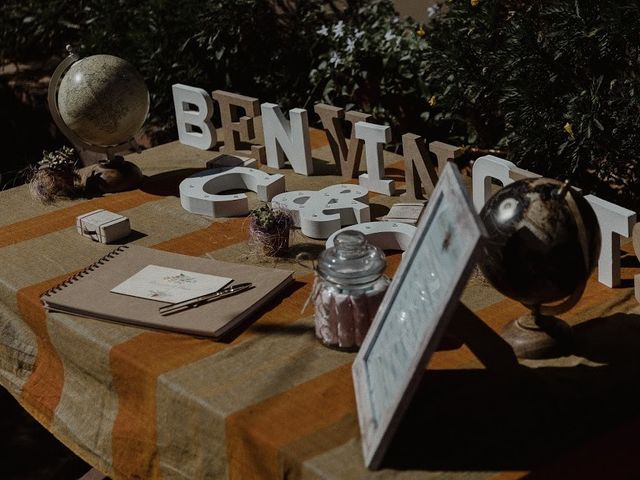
[170, 285]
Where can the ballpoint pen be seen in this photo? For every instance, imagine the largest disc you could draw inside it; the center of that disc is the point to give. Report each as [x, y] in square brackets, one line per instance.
[210, 297]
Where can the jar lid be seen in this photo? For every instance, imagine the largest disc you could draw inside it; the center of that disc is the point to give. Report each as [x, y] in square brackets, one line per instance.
[352, 260]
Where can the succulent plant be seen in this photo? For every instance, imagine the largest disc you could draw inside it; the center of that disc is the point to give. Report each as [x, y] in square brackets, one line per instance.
[62, 160]
[269, 230]
[268, 219]
[55, 176]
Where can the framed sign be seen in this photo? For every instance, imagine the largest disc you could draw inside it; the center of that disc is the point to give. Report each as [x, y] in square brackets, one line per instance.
[415, 312]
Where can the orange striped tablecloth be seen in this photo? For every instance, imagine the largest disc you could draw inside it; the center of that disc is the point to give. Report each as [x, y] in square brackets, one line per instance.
[274, 403]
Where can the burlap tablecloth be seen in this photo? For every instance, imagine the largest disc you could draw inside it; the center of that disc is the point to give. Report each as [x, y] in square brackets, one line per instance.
[274, 403]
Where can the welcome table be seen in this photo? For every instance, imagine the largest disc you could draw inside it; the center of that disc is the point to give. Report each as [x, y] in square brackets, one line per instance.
[273, 402]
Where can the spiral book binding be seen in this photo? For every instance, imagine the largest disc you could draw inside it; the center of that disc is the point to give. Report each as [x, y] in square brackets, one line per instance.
[89, 293]
[85, 271]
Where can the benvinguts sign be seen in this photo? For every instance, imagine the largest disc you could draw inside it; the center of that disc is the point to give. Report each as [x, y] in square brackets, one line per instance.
[289, 140]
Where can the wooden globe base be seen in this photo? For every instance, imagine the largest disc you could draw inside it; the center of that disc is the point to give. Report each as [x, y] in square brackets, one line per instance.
[537, 336]
[115, 175]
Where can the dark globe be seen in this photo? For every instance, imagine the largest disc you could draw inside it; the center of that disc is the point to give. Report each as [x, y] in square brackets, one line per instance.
[544, 241]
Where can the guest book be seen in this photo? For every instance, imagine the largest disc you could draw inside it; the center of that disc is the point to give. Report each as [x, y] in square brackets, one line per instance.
[89, 292]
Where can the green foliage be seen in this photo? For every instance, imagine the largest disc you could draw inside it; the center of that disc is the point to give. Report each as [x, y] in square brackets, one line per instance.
[463, 71]
[220, 44]
[371, 61]
[554, 82]
[271, 49]
[266, 219]
[32, 29]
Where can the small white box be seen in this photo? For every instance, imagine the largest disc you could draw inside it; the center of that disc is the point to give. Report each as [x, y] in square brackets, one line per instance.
[103, 226]
[405, 213]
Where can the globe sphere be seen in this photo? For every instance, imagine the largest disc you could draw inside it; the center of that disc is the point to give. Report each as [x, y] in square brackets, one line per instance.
[543, 241]
[103, 100]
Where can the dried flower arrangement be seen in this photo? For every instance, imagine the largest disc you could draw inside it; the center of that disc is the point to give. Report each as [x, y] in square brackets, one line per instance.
[55, 175]
[269, 230]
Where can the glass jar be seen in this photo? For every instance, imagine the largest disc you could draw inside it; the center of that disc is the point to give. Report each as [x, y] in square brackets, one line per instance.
[349, 288]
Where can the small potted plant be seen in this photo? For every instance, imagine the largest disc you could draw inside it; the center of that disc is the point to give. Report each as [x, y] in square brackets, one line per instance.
[269, 230]
[55, 176]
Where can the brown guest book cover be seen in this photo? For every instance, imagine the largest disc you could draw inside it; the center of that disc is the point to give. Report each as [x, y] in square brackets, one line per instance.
[88, 293]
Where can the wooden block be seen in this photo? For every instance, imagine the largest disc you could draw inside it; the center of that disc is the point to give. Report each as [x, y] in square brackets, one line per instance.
[405, 213]
[103, 226]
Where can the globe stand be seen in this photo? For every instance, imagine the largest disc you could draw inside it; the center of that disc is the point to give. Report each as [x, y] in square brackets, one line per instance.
[111, 176]
[537, 336]
[113, 173]
[540, 334]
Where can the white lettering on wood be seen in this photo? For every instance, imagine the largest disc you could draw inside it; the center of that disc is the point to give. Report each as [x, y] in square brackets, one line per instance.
[384, 235]
[194, 108]
[614, 221]
[346, 154]
[320, 213]
[201, 193]
[484, 170]
[287, 138]
[236, 126]
[418, 170]
[375, 136]
[444, 153]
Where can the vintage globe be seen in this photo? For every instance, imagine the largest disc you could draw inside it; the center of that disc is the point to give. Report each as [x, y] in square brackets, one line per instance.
[544, 241]
[103, 100]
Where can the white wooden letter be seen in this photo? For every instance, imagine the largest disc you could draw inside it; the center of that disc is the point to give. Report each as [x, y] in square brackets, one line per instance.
[194, 108]
[375, 136]
[237, 113]
[444, 153]
[320, 213]
[614, 221]
[200, 193]
[484, 169]
[287, 138]
[347, 157]
[384, 235]
[418, 170]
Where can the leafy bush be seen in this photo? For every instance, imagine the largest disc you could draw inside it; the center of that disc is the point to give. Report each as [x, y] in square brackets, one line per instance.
[34, 30]
[256, 47]
[371, 61]
[272, 49]
[555, 83]
[552, 84]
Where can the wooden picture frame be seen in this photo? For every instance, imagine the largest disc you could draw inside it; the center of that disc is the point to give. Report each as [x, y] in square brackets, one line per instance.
[415, 311]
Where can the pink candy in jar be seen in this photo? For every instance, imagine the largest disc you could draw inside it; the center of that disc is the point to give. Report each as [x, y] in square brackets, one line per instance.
[350, 286]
